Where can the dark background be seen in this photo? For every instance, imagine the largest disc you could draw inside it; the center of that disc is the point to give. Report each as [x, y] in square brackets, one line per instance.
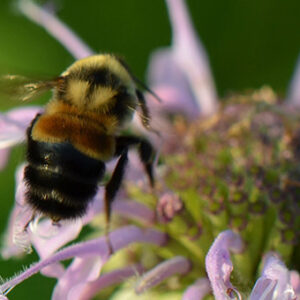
[249, 42]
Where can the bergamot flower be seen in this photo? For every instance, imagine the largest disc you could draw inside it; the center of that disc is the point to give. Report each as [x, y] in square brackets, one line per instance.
[223, 221]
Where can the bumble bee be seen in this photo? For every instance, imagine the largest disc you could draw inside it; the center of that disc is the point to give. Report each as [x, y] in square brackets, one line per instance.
[69, 143]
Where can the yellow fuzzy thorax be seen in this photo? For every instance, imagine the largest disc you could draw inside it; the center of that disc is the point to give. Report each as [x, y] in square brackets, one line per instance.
[102, 61]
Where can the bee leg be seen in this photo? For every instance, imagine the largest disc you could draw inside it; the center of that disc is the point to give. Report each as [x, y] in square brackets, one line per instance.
[112, 188]
[145, 150]
[146, 154]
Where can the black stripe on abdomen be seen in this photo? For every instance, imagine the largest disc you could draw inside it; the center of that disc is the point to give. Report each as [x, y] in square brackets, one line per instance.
[60, 180]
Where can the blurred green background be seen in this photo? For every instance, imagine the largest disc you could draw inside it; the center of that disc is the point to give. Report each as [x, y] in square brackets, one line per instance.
[249, 42]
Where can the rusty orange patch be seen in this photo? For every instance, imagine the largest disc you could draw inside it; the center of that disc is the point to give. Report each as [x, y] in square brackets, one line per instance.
[84, 134]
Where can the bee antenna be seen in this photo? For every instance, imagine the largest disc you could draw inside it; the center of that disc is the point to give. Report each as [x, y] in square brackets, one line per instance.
[137, 80]
[145, 87]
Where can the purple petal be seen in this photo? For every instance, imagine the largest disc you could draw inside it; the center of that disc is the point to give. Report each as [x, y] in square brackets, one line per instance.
[219, 266]
[294, 88]
[13, 125]
[17, 240]
[169, 82]
[130, 234]
[275, 281]
[20, 185]
[191, 57]
[22, 217]
[295, 282]
[108, 279]
[134, 210]
[22, 116]
[55, 270]
[98, 247]
[73, 282]
[47, 238]
[176, 265]
[197, 290]
[56, 28]
[127, 208]
[9, 248]
[184, 66]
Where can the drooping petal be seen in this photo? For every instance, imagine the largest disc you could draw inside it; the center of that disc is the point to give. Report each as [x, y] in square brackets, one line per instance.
[56, 28]
[129, 234]
[9, 248]
[81, 271]
[16, 240]
[127, 208]
[20, 235]
[56, 270]
[108, 279]
[275, 281]
[134, 210]
[175, 265]
[48, 238]
[219, 266]
[85, 270]
[98, 247]
[197, 290]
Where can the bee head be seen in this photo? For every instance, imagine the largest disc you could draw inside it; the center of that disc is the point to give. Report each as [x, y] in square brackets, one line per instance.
[99, 83]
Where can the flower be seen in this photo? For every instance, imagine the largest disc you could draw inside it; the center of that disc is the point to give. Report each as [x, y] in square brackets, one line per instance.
[225, 221]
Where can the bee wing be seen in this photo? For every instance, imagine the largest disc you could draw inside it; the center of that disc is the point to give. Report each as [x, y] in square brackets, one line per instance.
[21, 88]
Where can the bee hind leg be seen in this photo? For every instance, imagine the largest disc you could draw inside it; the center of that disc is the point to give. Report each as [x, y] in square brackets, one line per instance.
[111, 190]
[146, 154]
[145, 151]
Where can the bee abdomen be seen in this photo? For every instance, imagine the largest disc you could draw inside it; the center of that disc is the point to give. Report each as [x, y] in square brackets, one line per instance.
[60, 180]
[41, 180]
